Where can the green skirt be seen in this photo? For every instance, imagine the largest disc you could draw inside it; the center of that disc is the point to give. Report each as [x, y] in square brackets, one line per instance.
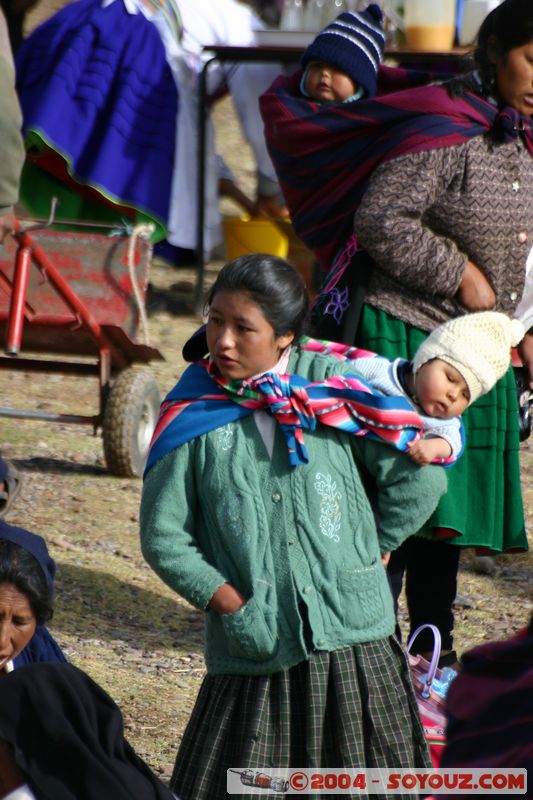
[352, 708]
[484, 500]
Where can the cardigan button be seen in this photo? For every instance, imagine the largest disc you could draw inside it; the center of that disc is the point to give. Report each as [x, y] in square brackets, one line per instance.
[522, 237]
[290, 541]
[513, 296]
[308, 589]
[320, 643]
[276, 497]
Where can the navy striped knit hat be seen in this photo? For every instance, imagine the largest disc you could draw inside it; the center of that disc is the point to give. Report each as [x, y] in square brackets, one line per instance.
[353, 43]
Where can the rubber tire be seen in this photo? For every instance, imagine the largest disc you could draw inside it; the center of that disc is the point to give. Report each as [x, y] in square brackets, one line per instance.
[130, 416]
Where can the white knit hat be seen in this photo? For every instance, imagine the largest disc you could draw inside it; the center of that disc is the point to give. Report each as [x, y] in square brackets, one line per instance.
[477, 345]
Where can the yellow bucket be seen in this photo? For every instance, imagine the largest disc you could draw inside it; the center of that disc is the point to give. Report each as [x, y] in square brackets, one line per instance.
[245, 235]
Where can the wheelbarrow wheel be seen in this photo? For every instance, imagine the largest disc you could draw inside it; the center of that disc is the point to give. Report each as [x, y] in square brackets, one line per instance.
[130, 416]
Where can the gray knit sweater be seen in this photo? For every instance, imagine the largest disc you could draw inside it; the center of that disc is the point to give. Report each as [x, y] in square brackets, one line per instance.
[424, 214]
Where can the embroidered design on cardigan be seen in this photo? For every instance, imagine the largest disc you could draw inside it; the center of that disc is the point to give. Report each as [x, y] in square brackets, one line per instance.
[330, 511]
[225, 436]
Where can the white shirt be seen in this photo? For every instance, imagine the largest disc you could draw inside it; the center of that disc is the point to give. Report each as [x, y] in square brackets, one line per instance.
[208, 22]
[22, 793]
[524, 309]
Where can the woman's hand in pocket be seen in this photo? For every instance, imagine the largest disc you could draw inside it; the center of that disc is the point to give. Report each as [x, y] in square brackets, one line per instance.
[475, 292]
[227, 599]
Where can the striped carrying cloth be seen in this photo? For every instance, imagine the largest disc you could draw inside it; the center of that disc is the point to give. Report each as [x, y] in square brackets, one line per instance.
[325, 154]
[203, 400]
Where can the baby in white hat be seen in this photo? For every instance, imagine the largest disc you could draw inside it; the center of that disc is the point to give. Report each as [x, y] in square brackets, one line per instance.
[457, 363]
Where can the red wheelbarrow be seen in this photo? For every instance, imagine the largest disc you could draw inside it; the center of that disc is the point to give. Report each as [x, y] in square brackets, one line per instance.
[79, 297]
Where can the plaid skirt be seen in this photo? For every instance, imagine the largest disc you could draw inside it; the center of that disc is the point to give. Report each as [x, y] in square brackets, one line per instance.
[353, 708]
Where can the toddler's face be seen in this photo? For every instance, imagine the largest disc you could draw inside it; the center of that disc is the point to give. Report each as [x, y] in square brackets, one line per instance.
[441, 390]
[327, 84]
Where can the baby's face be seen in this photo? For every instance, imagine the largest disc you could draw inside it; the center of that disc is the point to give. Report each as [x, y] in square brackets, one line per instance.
[441, 390]
[327, 84]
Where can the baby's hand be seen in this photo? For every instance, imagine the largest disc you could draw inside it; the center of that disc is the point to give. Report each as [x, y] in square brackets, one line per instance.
[425, 451]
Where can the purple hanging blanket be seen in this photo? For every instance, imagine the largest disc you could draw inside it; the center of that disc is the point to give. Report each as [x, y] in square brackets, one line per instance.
[100, 104]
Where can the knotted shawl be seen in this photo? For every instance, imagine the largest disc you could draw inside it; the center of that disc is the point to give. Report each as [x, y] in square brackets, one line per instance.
[203, 400]
[324, 155]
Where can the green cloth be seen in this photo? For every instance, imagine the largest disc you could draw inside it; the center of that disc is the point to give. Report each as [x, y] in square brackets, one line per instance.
[218, 509]
[38, 188]
[484, 501]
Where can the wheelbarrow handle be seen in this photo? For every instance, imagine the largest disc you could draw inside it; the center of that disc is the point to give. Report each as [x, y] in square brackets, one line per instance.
[18, 300]
[22, 228]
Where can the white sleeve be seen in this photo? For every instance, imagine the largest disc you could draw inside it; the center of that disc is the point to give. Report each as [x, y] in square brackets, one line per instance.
[524, 309]
[246, 83]
[377, 370]
[449, 429]
[22, 793]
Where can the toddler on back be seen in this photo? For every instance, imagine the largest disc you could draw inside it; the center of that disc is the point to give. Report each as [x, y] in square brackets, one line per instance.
[341, 64]
[459, 361]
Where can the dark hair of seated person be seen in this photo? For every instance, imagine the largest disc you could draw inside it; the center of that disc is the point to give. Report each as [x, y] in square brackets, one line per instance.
[22, 570]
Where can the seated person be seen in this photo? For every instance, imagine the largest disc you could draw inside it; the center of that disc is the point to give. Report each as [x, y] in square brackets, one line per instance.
[26, 599]
[341, 64]
[62, 737]
[460, 361]
[488, 708]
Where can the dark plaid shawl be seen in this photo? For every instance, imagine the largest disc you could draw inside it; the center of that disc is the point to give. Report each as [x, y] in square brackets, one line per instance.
[325, 154]
[68, 736]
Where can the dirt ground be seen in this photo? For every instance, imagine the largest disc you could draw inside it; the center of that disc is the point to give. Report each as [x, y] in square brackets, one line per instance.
[114, 618]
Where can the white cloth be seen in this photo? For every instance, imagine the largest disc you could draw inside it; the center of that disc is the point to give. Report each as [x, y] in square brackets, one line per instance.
[265, 422]
[524, 309]
[22, 793]
[208, 22]
[382, 375]
[213, 22]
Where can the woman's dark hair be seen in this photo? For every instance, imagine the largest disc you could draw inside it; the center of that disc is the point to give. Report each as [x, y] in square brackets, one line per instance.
[509, 25]
[273, 284]
[19, 568]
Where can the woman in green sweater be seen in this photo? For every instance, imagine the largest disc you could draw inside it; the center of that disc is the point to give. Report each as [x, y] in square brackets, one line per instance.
[261, 519]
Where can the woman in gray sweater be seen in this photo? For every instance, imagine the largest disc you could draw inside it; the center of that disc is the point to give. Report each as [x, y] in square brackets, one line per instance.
[449, 231]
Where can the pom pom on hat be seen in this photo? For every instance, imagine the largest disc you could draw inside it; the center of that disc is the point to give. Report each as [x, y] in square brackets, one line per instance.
[477, 345]
[353, 43]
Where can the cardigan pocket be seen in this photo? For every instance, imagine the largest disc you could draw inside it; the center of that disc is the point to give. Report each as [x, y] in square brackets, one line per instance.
[250, 632]
[361, 597]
